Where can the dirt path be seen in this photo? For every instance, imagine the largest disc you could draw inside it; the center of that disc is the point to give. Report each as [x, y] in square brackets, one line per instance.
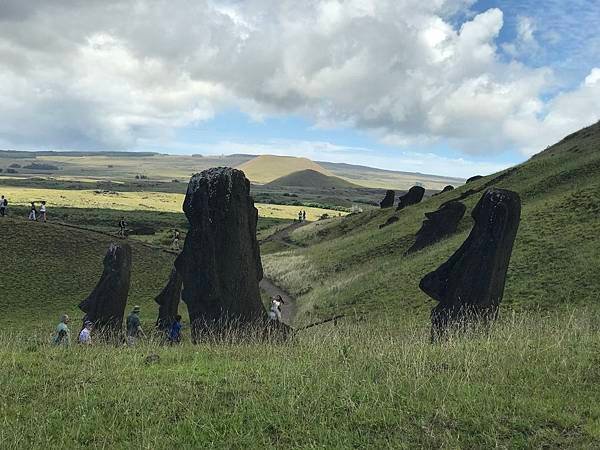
[288, 310]
[283, 235]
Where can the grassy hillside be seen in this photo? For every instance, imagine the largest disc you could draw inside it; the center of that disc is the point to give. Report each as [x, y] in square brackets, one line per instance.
[48, 269]
[314, 179]
[351, 266]
[266, 168]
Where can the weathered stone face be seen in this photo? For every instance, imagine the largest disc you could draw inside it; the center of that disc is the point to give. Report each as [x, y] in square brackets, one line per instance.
[470, 285]
[105, 306]
[390, 221]
[474, 178]
[168, 301]
[412, 197]
[220, 263]
[446, 189]
[438, 224]
[388, 200]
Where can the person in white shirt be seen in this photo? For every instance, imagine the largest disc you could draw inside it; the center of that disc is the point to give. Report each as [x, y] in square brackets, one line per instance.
[85, 336]
[43, 212]
[275, 311]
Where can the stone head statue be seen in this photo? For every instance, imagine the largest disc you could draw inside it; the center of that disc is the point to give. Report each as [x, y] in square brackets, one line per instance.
[471, 282]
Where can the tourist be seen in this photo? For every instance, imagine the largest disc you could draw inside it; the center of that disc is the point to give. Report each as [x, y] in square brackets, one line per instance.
[175, 243]
[3, 204]
[32, 212]
[122, 226]
[299, 216]
[175, 331]
[43, 212]
[275, 311]
[303, 216]
[85, 336]
[134, 327]
[62, 335]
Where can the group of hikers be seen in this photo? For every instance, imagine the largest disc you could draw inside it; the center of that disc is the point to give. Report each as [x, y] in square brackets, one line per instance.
[40, 215]
[133, 326]
[34, 214]
[301, 216]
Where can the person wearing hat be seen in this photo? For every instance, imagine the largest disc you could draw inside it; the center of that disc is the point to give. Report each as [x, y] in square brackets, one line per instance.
[62, 334]
[85, 336]
[134, 327]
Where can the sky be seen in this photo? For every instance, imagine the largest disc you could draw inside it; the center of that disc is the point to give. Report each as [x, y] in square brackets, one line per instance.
[448, 87]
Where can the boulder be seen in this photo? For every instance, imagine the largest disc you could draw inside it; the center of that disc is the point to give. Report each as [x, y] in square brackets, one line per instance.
[412, 197]
[446, 189]
[390, 221]
[470, 285]
[388, 200]
[168, 301]
[105, 306]
[438, 224]
[220, 263]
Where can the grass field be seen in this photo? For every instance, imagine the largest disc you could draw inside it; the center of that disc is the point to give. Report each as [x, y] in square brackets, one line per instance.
[531, 383]
[137, 201]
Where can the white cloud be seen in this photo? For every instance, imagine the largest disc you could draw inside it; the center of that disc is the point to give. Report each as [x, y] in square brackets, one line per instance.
[114, 73]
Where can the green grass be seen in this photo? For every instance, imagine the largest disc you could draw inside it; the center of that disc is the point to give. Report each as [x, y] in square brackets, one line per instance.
[530, 383]
[48, 269]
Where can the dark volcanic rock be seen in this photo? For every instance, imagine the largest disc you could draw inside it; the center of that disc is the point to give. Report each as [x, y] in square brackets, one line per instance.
[390, 221]
[105, 306]
[389, 199]
[412, 197]
[168, 301]
[220, 263]
[438, 224]
[470, 285]
[475, 178]
[446, 189]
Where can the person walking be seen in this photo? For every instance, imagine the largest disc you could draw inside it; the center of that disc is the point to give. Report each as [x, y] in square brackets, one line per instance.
[3, 205]
[134, 327]
[32, 212]
[299, 216]
[62, 335]
[122, 226]
[43, 212]
[303, 216]
[275, 311]
[175, 331]
[85, 336]
[175, 243]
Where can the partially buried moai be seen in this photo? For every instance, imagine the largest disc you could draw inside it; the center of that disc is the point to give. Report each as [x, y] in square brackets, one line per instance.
[470, 285]
[412, 197]
[438, 224]
[105, 306]
[220, 264]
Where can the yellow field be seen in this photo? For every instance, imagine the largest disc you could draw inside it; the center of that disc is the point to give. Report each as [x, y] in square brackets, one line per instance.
[129, 201]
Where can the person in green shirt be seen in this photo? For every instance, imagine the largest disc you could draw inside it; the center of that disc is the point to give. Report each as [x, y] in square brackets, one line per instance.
[62, 335]
[134, 328]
